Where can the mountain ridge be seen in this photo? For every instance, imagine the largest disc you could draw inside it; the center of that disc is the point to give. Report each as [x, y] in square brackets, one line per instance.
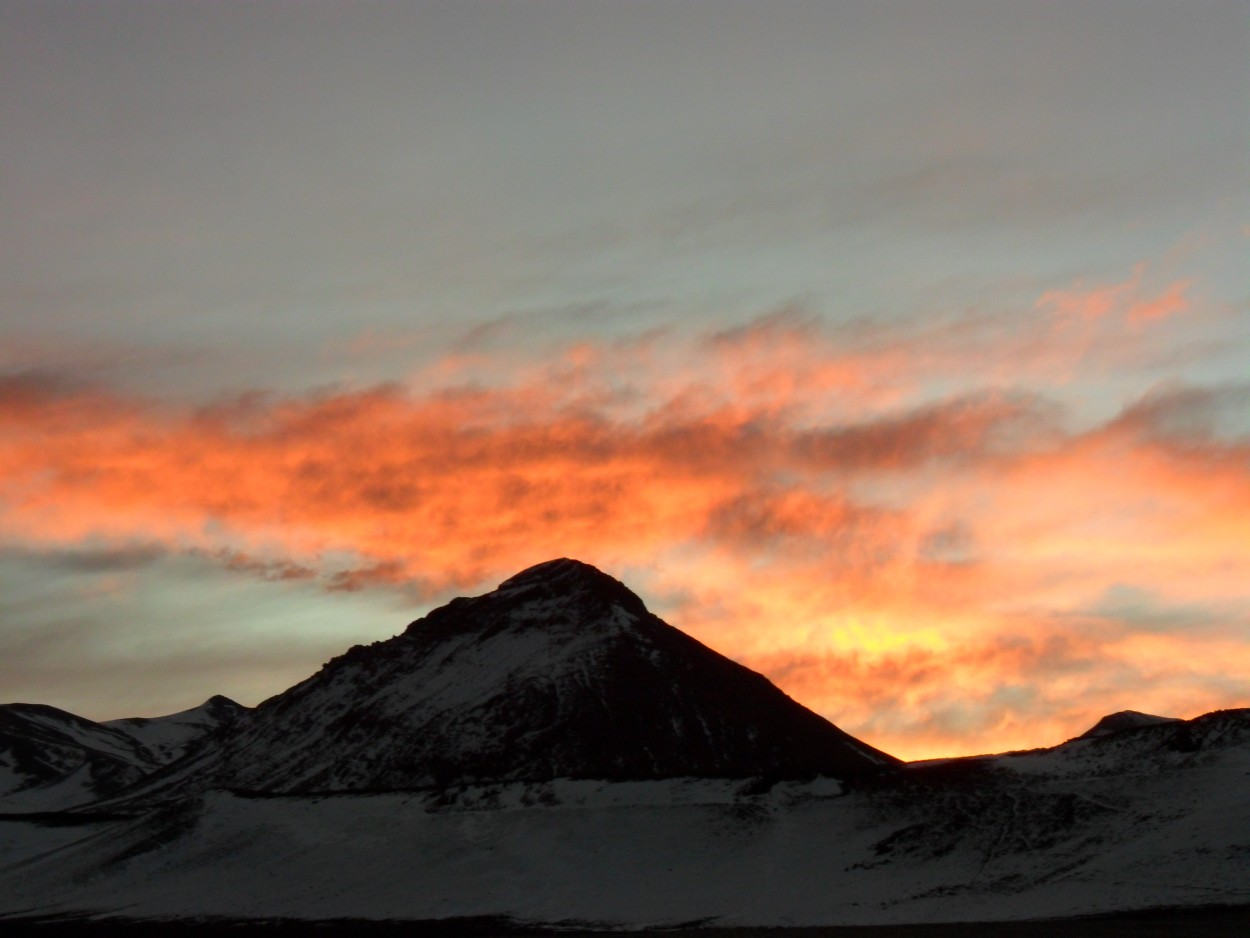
[551, 751]
[520, 663]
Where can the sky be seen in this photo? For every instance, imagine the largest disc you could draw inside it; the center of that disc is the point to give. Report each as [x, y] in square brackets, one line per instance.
[898, 351]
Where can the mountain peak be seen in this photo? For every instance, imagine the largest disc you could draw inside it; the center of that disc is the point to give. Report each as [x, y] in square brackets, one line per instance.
[220, 702]
[569, 578]
[563, 595]
[1124, 720]
[562, 570]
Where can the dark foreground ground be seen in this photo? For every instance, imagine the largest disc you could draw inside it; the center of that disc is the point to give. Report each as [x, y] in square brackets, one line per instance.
[1211, 922]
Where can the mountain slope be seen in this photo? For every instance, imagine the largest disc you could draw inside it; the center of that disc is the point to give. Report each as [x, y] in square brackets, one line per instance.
[51, 759]
[169, 737]
[560, 672]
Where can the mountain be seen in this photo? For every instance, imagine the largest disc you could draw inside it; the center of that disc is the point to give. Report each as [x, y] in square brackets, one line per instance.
[1122, 721]
[170, 737]
[561, 672]
[51, 759]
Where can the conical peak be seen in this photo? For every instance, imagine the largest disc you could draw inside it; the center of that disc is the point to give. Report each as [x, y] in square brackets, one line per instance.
[560, 594]
[563, 570]
[567, 578]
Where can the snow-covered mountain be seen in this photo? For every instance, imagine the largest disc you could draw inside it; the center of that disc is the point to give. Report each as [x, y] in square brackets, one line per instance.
[170, 737]
[561, 672]
[51, 760]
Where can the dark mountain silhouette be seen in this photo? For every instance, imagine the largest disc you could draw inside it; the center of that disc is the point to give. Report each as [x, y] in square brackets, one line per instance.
[1124, 720]
[560, 672]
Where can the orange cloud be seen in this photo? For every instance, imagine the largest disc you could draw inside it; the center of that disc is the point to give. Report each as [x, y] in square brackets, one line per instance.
[930, 572]
[1012, 691]
[395, 477]
[1171, 302]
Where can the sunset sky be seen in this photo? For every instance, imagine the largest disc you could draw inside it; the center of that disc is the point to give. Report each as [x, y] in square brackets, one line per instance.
[899, 351]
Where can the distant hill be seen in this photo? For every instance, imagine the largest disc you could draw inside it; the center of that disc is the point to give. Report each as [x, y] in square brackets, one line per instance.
[51, 760]
[1123, 721]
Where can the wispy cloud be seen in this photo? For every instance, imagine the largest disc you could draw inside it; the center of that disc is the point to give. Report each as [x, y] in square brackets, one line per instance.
[1131, 300]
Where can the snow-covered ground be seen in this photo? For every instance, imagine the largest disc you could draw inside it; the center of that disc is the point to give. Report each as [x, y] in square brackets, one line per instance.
[1063, 832]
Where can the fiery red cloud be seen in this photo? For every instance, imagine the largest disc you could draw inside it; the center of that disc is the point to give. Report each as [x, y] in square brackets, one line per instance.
[939, 575]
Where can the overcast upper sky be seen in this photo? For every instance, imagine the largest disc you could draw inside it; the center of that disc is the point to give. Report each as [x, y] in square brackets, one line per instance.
[900, 351]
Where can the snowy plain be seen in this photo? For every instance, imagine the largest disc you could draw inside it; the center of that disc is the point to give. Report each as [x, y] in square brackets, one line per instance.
[1157, 829]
